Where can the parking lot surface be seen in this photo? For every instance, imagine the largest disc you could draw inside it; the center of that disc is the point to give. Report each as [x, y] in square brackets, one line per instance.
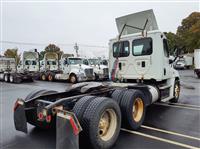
[166, 125]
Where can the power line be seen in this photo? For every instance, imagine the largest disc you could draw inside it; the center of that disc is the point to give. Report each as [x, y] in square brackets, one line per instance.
[45, 44]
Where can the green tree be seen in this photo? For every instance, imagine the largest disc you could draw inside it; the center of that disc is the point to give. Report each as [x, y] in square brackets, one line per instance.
[52, 48]
[13, 53]
[172, 41]
[189, 32]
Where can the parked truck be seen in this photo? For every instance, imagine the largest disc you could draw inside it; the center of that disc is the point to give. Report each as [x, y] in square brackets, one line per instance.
[9, 72]
[100, 69]
[141, 73]
[197, 62]
[49, 66]
[30, 63]
[74, 69]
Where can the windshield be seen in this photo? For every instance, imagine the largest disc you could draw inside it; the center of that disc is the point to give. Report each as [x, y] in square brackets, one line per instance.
[104, 62]
[30, 62]
[74, 61]
[51, 62]
[93, 61]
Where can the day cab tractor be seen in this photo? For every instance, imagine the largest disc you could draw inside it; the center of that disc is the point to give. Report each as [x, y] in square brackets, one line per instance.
[91, 114]
[10, 73]
[100, 69]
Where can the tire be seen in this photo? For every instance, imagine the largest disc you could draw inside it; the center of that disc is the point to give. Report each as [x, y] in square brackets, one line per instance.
[43, 77]
[73, 79]
[94, 118]
[51, 77]
[81, 105]
[133, 99]
[118, 94]
[6, 78]
[12, 78]
[31, 114]
[176, 92]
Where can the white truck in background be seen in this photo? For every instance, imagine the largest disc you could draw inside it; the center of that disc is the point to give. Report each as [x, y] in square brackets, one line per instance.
[197, 62]
[49, 66]
[9, 72]
[74, 69]
[100, 68]
[30, 63]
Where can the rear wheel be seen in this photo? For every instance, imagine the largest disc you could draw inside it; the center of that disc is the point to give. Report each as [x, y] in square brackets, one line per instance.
[101, 123]
[118, 94]
[133, 109]
[43, 77]
[176, 91]
[6, 78]
[50, 77]
[73, 79]
[12, 78]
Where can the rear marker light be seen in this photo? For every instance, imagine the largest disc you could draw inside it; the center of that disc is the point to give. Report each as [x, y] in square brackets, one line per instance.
[74, 126]
[48, 118]
[40, 116]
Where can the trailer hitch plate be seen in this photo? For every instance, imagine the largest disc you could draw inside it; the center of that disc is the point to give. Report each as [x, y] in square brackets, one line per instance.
[20, 116]
[67, 130]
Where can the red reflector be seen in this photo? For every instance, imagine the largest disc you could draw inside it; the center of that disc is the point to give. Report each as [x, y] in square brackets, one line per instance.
[16, 105]
[48, 118]
[40, 116]
[74, 126]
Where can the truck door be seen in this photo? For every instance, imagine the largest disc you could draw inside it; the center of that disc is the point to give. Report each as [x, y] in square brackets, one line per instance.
[66, 66]
[142, 50]
[167, 67]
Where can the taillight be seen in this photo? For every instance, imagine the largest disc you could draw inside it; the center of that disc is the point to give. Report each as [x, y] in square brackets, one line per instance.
[48, 118]
[17, 104]
[40, 116]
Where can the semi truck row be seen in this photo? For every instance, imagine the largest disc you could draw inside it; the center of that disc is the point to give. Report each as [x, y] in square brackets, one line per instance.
[73, 69]
[91, 114]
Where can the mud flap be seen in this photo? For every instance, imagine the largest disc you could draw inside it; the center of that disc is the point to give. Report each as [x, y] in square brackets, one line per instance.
[67, 130]
[20, 116]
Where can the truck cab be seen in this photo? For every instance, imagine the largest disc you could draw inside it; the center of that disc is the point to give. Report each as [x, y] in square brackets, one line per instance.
[50, 62]
[141, 54]
[100, 68]
[29, 62]
[75, 70]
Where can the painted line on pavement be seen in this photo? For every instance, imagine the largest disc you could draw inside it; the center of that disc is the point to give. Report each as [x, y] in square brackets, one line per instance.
[171, 132]
[176, 106]
[160, 139]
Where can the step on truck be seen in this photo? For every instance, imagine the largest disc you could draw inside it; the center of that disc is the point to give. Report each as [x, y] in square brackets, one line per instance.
[89, 114]
[10, 73]
[197, 62]
[100, 68]
[74, 70]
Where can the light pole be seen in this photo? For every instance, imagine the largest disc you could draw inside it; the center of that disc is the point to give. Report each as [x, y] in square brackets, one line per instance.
[76, 49]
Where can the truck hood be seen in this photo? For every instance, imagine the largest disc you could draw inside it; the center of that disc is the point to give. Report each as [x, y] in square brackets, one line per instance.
[82, 66]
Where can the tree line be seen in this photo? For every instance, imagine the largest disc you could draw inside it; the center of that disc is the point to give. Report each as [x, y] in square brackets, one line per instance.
[186, 39]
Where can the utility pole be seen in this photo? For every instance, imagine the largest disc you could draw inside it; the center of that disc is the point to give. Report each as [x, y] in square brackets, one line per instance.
[76, 49]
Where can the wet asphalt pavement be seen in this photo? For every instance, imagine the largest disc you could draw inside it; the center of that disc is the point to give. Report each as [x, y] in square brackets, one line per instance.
[166, 126]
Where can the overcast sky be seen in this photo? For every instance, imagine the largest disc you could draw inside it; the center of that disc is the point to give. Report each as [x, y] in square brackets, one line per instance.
[84, 23]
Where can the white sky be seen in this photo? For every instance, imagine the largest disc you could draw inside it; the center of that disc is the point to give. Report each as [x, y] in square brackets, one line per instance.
[84, 23]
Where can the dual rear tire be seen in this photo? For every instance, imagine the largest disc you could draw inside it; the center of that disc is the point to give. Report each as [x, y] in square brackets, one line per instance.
[132, 105]
[100, 119]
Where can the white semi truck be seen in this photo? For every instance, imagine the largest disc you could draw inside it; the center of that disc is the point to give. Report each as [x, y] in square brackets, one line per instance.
[9, 72]
[100, 68]
[74, 70]
[140, 68]
[197, 62]
[30, 63]
[49, 66]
